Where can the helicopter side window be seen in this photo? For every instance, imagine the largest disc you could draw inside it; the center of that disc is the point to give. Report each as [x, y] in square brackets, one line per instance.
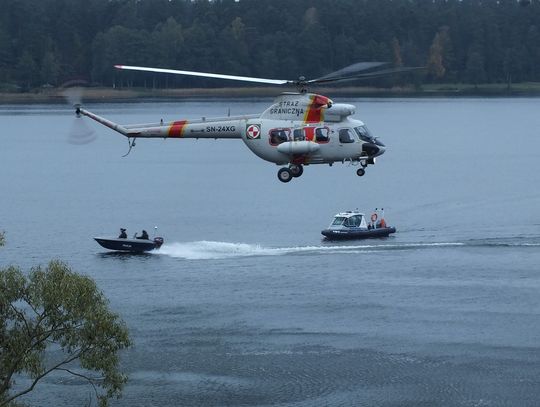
[278, 136]
[364, 134]
[346, 136]
[322, 135]
[298, 135]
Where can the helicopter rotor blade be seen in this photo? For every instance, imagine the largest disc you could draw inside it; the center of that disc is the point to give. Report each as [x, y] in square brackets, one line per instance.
[367, 75]
[351, 70]
[357, 71]
[205, 74]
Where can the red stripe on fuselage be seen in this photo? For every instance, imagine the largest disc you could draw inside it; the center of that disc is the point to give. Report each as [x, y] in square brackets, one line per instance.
[177, 129]
[314, 113]
[309, 132]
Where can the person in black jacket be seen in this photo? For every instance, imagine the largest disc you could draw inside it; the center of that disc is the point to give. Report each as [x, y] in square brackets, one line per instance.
[123, 234]
[144, 235]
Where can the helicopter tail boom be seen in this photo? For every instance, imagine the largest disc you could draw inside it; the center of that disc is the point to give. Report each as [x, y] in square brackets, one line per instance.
[116, 127]
[222, 128]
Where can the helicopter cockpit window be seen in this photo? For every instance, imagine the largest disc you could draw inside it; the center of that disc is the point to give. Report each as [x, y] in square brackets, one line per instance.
[278, 136]
[322, 135]
[346, 136]
[298, 135]
[338, 221]
[364, 134]
[354, 221]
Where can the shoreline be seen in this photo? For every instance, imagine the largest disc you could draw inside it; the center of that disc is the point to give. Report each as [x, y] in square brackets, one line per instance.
[104, 95]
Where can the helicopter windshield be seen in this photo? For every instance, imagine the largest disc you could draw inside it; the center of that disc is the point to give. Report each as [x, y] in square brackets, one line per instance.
[365, 135]
[338, 221]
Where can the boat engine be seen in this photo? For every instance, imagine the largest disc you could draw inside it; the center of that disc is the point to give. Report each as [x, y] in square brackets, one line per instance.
[158, 242]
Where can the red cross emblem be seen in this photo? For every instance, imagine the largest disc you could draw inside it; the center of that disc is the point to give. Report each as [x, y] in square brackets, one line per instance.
[253, 131]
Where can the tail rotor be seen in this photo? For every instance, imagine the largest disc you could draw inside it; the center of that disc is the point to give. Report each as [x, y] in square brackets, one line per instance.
[80, 132]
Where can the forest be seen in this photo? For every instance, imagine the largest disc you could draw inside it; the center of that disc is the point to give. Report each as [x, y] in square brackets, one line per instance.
[49, 42]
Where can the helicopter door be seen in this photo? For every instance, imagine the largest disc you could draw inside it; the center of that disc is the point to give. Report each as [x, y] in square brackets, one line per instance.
[278, 136]
[298, 135]
[346, 136]
[322, 135]
[317, 134]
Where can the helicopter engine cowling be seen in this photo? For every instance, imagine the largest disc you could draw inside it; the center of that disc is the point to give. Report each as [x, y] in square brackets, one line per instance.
[338, 112]
[298, 147]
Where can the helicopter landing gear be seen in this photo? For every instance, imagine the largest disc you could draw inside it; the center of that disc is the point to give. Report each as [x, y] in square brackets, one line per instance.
[284, 174]
[360, 172]
[296, 170]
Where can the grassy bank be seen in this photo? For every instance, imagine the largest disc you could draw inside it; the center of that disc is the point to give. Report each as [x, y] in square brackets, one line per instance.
[55, 95]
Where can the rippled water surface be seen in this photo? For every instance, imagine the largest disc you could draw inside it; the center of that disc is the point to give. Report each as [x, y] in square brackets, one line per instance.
[245, 305]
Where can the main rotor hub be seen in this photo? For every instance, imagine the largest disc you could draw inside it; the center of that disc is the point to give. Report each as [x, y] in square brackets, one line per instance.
[301, 84]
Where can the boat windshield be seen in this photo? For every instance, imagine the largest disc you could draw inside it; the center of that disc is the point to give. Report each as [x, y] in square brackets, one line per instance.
[338, 220]
[354, 221]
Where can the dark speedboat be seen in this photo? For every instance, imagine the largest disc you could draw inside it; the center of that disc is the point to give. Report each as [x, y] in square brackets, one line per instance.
[353, 225]
[129, 245]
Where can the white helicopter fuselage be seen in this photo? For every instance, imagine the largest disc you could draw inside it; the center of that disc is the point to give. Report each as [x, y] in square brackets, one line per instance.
[297, 129]
[282, 142]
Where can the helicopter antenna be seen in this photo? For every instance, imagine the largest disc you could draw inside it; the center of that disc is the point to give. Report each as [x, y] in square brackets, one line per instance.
[131, 144]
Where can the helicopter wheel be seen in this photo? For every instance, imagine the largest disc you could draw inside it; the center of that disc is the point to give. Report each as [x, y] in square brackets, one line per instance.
[363, 163]
[284, 174]
[360, 172]
[296, 170]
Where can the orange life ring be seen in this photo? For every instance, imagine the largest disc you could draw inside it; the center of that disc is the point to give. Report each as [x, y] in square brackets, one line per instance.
[374, 217]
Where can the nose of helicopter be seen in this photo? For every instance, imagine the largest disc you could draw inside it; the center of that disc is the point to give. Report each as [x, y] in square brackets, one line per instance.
[373, 150]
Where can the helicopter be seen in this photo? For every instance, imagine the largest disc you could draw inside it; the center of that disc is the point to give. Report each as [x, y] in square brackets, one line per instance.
[297, 130]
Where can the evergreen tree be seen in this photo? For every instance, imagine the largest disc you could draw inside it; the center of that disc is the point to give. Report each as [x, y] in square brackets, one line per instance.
[50, 69]
[475, 68]
[26, 70]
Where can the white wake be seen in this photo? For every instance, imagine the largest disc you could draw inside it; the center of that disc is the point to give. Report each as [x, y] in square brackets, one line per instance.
[208, 250]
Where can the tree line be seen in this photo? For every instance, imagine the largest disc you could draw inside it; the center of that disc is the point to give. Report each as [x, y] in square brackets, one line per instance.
[49, 42]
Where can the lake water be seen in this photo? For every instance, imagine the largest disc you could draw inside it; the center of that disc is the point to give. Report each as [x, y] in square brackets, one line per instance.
[245, 305]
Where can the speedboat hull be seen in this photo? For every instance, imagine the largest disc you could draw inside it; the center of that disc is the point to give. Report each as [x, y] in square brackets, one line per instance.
[129, 245]
[331, 234]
